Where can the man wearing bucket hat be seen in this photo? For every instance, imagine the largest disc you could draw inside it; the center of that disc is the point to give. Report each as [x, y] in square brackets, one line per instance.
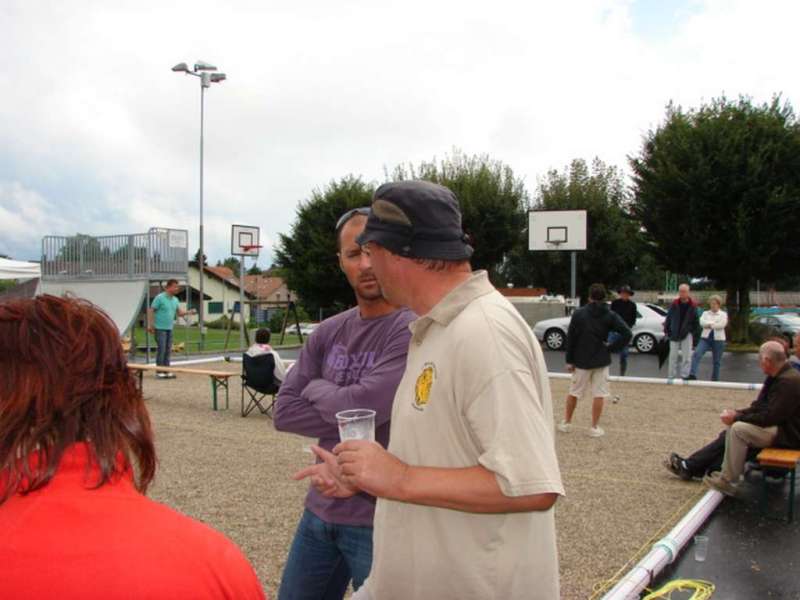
[467, 487]
[626, 309]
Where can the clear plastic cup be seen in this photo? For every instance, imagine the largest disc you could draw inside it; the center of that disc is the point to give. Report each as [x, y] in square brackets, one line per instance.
[356, 424]
[700, 547]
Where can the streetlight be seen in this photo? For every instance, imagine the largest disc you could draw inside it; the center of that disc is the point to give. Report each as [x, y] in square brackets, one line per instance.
[203, 71]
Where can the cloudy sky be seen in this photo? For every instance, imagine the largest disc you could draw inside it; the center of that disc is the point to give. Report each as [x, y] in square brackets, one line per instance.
[99, 136]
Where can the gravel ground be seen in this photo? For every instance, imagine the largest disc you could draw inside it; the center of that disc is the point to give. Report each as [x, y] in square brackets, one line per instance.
[233, 473]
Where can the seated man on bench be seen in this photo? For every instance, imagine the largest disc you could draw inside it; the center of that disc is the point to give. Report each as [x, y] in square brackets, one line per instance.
[709, 458]
[777, 424]
[262, 346]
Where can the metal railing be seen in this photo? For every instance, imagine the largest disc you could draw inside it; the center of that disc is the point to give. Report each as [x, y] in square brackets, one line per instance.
[158, 254]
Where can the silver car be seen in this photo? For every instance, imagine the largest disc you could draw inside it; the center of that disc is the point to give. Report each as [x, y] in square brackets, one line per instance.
[649, 329]
[785, 324]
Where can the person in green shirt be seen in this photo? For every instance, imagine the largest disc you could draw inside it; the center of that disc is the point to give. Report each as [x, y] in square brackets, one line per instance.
[161, 319]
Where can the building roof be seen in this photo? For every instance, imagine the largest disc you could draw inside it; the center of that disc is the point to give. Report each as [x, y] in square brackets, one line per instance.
[262, 286]
[225, 275]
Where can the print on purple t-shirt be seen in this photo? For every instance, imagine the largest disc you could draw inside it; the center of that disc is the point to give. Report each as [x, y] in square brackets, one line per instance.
[348, 362]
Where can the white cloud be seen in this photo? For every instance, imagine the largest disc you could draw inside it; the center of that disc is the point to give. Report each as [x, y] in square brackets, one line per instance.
[96, 128]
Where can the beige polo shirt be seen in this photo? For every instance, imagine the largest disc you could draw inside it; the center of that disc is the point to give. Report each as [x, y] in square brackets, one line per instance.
[475, 391]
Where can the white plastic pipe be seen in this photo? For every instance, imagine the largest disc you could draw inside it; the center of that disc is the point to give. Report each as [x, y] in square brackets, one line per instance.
[665, 551]
[197, 361]
[725, 385]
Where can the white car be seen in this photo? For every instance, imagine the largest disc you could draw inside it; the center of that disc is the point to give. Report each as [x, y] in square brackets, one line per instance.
[649, 329]
[305, 328]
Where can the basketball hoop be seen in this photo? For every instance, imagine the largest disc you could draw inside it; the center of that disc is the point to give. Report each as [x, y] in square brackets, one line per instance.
[250, 247]
[554, 245]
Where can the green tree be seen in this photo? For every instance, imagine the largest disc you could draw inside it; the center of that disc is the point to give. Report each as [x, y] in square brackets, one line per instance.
[613, 246]
[306, 257]
[493, 201]
[717, 190]
[254, 270]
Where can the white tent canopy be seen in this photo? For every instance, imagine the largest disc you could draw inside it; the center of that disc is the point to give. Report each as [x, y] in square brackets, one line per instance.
[17, 269]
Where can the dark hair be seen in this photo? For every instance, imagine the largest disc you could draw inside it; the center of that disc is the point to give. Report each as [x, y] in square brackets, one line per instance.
[597, 292]
[171, 282]
[65, 380]
[362, 211]
[263, 336]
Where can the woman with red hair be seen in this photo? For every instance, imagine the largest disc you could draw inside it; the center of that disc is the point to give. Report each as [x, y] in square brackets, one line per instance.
[76, 457]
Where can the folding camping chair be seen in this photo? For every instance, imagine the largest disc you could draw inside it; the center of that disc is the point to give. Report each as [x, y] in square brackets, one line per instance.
[258, 381]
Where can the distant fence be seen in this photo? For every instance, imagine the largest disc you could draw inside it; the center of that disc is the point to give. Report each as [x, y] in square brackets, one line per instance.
[157, 254]
[762, 298]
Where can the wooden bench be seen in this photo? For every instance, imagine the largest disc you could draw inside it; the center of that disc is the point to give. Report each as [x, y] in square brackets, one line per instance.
[782, 460]
[218, 378]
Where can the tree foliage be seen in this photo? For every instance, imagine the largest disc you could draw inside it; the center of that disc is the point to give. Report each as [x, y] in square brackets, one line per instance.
[717, 190]
[307, 255]
[493, 201]
[232, 263]
[613, 245]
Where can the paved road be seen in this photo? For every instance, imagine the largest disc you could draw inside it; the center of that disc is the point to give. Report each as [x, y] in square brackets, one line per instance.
[736, 366]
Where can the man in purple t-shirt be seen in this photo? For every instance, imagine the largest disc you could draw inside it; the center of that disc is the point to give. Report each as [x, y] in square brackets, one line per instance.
[352, 360]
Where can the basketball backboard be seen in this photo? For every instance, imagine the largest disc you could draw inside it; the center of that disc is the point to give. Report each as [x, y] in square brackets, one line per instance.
[557, 230]
[244, 240]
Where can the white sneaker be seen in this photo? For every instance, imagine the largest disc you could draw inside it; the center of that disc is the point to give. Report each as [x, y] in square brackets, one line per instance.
[161, 375]
[564, 427]
[596, 432]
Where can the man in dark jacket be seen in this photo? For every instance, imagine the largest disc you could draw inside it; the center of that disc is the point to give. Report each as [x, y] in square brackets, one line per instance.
[679, 324]
[589, 355]
[626, 309]
[755, 427]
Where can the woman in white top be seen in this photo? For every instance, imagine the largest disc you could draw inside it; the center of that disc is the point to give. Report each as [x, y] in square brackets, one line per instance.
[713, 323]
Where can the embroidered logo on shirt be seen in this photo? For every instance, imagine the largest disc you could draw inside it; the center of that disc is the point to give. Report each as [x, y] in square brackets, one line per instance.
[422, 389]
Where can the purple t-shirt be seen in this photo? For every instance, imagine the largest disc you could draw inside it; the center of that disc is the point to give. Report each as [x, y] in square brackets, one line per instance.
[348, 362]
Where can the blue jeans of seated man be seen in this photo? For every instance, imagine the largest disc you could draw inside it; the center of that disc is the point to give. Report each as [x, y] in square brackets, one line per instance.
[164, 345]
[324, 557]
[623, 354]
[703, 346]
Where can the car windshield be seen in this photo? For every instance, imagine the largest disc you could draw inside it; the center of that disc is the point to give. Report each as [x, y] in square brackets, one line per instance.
[656, 308]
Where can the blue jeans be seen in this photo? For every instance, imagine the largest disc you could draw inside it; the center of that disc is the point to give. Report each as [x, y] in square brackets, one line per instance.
[164, 345]
[324, 557]
[623, 354]
[703, 346]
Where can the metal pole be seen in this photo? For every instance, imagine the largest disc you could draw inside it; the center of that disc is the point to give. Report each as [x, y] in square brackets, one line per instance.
[573, 260]
[200, 261]
[241, 302]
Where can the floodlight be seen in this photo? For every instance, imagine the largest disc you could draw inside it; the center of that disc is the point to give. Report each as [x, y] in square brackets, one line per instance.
[203, 66]
[181, 67]
[217, 77]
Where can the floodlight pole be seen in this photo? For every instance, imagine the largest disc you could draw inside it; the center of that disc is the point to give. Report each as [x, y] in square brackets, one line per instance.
[201, 256]
[201, 69]
[241, 302]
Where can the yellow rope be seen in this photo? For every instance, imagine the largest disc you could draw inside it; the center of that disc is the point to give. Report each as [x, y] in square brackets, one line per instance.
[702, 589]
[602, 587]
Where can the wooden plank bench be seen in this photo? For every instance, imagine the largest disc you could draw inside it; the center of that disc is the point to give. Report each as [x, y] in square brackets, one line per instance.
[218, 378]
[780, 459]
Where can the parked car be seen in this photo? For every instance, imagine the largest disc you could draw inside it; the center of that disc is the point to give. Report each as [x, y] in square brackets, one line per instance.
[649, 329]
[784, 324]
[305, 328]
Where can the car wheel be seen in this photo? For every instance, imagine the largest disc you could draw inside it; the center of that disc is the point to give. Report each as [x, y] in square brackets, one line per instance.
[554, 339]
[645, 343]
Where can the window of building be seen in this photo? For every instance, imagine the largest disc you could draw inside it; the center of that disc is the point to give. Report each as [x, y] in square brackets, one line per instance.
[215, 308]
